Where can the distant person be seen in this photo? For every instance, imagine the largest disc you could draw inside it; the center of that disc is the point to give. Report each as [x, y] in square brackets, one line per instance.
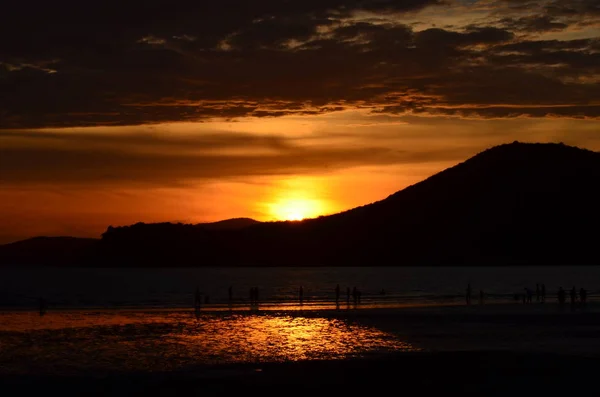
[43, 306]
[197, 298]
[359, 295]
[561, 295]
[355, 295]
[573, 295]
[468, 294]
[382, 292]
[537, 292]
[337, 294]
[543, 293]
[583, 296]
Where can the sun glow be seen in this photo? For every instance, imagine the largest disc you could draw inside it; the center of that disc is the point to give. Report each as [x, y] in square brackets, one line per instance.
[296, 209]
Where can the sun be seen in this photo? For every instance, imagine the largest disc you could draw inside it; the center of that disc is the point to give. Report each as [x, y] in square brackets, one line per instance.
[296, 209]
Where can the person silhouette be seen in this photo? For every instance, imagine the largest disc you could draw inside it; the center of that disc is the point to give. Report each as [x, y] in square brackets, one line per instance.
[197, 299]
[468, 294]
[355, 295]
[543, 293]
[529, 294]
[582, 296]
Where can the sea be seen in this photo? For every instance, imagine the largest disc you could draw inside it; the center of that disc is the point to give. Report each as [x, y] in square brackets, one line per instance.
[77, 288]
[100, 320]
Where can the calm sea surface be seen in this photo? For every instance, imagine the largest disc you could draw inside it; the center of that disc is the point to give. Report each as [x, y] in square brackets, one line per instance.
[175, 288]
[106, 320]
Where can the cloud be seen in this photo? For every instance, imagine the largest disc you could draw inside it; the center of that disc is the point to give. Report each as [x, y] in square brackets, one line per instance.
[580, 8]
[152, 40]
[92, 158]
[534, 23]
[474, 36]
[134, 63]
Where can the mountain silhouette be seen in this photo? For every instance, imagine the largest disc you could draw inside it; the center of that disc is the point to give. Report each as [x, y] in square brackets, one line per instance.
[513, 204]
[47, 251]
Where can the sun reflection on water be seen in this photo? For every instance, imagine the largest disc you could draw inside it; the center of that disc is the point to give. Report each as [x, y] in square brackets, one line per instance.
[270, 338]
[158, 341]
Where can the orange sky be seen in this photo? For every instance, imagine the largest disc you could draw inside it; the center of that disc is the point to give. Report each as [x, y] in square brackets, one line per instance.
[267, 169]
[207, 110]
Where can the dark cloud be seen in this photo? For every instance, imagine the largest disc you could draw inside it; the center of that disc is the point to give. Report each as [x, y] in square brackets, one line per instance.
[432, 38]
[534, 23]
[34, 157]
[556, 7]
[501, 112]
[275, 32]
[571, 8]
[66, 63]
[574, 59]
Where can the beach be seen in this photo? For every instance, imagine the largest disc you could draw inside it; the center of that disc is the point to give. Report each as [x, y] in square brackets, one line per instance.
[486, 373]
[471, 350]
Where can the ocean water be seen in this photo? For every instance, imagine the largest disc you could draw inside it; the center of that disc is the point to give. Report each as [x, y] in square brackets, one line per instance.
[118, 320]
[379, 286]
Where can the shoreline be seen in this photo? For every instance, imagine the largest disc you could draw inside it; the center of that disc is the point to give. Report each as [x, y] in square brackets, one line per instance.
[316, 307]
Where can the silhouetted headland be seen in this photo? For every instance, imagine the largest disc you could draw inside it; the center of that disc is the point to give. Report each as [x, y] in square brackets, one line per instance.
[513, 204]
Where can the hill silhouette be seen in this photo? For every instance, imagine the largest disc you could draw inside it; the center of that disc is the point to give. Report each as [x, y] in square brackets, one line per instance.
[230, 224]
[513, 204]
[43, 250]
[73, 251]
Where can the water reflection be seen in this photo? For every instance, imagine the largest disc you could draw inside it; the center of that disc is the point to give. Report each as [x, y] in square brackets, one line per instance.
[71, 342]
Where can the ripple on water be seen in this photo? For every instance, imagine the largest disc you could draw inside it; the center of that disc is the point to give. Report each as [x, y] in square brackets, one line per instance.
[66, 342]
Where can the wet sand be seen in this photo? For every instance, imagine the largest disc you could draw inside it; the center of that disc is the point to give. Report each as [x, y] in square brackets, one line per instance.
[531, 328]
[490, 350]
[514, 327]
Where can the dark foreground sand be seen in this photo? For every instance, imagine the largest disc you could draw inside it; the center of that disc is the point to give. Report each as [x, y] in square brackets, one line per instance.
[423, 374]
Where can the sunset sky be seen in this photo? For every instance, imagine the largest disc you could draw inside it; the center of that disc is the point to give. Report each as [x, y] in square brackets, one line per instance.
[116, 112]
